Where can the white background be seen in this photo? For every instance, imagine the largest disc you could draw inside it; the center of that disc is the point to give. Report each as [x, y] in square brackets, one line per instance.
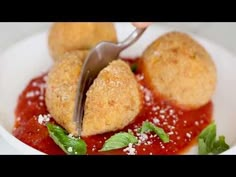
[221, 33]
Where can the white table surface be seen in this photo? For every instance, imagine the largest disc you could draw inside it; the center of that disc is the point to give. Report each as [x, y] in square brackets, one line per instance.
[221, 33]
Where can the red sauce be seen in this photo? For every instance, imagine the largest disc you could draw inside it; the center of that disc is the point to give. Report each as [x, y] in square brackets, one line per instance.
[182, 126]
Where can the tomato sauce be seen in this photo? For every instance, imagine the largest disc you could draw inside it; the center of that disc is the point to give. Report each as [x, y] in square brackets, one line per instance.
[182, 126]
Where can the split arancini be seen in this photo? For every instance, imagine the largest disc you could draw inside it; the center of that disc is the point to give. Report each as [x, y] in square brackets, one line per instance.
[112, 102]
[61, 88]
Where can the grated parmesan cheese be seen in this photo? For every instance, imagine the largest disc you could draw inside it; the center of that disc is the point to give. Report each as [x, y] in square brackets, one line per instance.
[188, 135]
[70, 149]
[43, 119]
[196, 123]
[30, 94]
[130, 150]
[156, 121]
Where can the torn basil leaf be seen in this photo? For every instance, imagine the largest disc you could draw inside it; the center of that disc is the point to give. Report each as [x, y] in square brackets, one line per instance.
[150, 127]
[70, 145]
[118, 141]
[207, 143]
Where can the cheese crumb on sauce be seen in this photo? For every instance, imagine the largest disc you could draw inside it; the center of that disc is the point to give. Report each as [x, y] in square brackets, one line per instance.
[43, 119]
[130, 149]
[156, 121]
[188, 135]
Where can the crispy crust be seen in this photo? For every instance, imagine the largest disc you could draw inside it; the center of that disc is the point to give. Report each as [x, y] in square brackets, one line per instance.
[61, 88]
[66, 37]
[113, 100]
[180, 70]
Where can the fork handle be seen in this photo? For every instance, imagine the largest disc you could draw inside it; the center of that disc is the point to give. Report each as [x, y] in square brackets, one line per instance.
[132, 38]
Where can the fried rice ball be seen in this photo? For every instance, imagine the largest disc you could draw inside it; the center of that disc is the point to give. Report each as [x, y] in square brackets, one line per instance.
[66, 37]
[112, 102]
[61, 88]
[180, 70]
[75, 54]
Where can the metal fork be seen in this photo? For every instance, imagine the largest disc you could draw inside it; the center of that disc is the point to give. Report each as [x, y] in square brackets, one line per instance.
[98, 58]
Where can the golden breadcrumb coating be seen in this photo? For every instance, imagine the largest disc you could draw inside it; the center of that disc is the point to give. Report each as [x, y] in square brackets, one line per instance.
[180, 70]
[66, 37]
[113, 100]
[61, 88]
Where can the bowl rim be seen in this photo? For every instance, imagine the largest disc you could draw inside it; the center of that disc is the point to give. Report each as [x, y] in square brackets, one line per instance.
[17, 144]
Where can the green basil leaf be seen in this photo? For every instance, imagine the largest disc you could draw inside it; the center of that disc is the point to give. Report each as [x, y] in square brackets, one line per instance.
[118, 141]
[70, 145]
[220, 146]
[209, 136]
[148, 127]
[202, 147]
[207, 143]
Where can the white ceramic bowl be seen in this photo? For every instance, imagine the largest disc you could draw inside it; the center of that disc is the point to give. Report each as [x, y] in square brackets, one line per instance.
[29, 58]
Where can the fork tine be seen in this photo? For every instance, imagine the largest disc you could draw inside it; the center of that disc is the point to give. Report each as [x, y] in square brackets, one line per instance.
[84, 83]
